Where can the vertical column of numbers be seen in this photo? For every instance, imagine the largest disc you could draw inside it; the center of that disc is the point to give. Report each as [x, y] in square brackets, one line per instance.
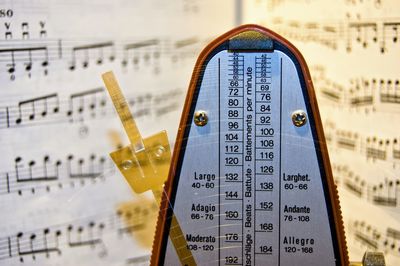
[231, 193]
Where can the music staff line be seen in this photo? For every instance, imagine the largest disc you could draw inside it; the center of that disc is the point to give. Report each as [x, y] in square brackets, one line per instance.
[82, 106]
[372, 147]
[81, 233]
[43, 52]
[365, 33]
[374, 239]
[47, 172]
[384, 193]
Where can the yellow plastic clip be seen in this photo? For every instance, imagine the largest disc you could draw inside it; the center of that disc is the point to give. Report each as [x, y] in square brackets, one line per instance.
[145, 162]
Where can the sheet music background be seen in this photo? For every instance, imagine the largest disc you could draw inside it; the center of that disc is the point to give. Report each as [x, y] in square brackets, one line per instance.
[62, 202]
[352, 50]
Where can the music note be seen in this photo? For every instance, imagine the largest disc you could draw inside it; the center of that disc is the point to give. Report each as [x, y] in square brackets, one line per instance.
[385, 194]
[42, 174]
[81, 169]
[90, 240]
[385, 201]
[86, 50]
[28, 65]
[38, 173]
[132, 219]
[365, 31]
[396, 149]
[329, 89]
[16, 53]
[36, 245]
[139, 220]
[377, 95]
[384, 240]
[390, 31]
[132, 223]
[356, 186]
[347, 139]
[31, 109]
[361, 93]
[365, 235]
[390, 92]
[141, 47]
[77, 102]
[86, 105]
[376, 149]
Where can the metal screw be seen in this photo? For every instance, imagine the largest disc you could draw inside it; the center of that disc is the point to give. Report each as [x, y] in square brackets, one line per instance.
[159, 152]
[200, 118]
[127, 164]
[299, 118]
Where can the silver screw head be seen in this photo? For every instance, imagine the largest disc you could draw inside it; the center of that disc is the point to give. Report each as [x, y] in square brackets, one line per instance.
[127, 164]
[159, 152]
[299, 118]
[200, 118]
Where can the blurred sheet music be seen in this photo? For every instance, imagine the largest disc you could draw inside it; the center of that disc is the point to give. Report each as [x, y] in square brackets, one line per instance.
[352, 49]
[61, 200]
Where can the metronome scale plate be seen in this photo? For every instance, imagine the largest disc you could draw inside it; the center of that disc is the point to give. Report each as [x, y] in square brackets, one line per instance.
[250, 183]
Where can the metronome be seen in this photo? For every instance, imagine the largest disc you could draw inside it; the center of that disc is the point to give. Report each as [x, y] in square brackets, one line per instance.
[249, 181]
